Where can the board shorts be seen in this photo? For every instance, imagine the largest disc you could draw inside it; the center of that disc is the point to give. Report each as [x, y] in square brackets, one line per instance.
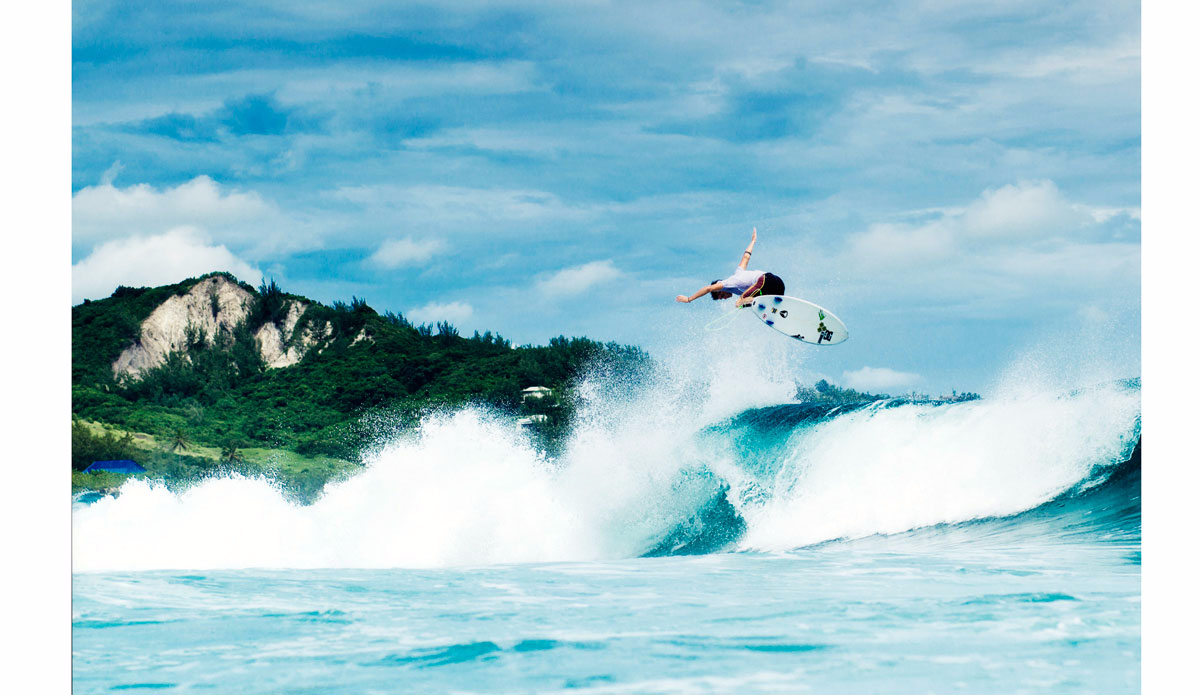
[769, 283]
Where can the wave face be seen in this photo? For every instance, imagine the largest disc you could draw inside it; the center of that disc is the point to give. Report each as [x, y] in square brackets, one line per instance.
[671, 466]
[892, 467]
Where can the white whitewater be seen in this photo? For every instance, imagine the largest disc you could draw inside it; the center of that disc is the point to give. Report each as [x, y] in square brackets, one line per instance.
[468, 489]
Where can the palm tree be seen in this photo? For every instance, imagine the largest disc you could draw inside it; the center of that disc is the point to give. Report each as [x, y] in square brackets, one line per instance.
[179, 440]
[230, 454]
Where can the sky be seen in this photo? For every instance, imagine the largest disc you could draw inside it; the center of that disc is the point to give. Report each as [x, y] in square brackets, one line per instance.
[959, 182]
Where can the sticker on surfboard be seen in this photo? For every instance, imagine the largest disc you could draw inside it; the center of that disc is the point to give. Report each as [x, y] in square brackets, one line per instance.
[799, 319]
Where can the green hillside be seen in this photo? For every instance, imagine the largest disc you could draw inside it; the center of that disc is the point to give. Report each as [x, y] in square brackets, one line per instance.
[219, 395]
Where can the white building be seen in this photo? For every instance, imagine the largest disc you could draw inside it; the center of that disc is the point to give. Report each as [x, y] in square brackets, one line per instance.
[535, 392]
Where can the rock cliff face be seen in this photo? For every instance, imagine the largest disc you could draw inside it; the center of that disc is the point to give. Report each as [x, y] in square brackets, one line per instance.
[212, 305]
[216, 304]
[273, 339]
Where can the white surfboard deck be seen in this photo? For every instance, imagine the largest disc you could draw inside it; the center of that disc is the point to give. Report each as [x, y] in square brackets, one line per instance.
[799, 319]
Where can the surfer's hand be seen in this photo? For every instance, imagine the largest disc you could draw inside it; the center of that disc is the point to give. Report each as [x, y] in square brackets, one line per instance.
[753, 234]
[681, 298]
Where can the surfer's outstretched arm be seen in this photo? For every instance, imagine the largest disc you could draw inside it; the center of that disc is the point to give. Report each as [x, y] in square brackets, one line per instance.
[715, 287]
[746, 255]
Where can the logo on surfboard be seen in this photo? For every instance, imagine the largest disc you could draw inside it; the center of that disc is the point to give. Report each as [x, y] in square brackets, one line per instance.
[794, 317]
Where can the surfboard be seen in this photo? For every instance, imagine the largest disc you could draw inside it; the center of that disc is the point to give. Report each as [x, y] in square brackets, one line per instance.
[799, 319]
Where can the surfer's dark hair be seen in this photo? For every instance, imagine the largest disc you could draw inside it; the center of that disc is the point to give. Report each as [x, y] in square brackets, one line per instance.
[714, 293]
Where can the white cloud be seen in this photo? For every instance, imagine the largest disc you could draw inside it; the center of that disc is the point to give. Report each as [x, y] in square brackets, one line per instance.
[1012, 234]
[432, 205]
[579, 279]
[396, 253]
[893, 245]
[105, 211]
[110, 174]
[501, 139]
[1013, 214]
[878, 379]
[415, 79]
[1102, 215]
[243, 220]
[1027, 209]
[155, 260]
[454, 312]
[1082, 63]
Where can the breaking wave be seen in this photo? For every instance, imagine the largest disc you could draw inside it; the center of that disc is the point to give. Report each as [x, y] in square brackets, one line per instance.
[672, 465]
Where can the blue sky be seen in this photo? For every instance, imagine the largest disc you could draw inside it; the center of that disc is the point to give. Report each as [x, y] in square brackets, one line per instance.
[959, 182]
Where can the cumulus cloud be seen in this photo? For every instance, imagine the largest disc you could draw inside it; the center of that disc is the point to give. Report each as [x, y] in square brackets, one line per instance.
[879, 379]
[154, 260]
[894, 245]
[1024, 210]
[1014, 215]
[397, 253]
[243, 220]
[106, 211]
[580, 278]
[1011, 244]
[454, 312]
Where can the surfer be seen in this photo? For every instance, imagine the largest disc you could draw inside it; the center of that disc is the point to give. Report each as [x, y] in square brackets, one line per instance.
[748, 284]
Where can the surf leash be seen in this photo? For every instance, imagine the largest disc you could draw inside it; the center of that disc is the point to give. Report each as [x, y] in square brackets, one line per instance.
[726, 319]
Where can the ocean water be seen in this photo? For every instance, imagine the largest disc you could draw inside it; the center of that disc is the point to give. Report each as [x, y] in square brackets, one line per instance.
[689, 539]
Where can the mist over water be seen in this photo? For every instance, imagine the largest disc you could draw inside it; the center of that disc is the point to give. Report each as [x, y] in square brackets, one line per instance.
[698, 454]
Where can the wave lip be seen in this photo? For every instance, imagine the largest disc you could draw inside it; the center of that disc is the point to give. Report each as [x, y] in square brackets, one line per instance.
[886, 470]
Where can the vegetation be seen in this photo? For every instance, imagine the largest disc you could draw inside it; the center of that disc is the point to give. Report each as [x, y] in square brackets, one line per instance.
[300, 477]
[957, 397]
[216, 406]
[825, 392]
[87, 446]
[100, 330]
[99, 481]
[216, 402]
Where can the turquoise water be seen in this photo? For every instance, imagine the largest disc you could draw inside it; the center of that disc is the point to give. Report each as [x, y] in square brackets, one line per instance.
[911, 615]
[986, 547]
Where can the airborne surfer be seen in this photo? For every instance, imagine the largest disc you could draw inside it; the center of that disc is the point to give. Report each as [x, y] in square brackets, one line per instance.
[748, 284]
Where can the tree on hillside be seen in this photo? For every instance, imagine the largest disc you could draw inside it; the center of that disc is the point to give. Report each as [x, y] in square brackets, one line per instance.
[179, 440]
[825, 392]
[230, 453]
[270, 305]
[219, 389]
[87, 447]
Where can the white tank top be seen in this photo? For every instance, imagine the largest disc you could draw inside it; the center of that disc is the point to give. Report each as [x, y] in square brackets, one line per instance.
[741, 280]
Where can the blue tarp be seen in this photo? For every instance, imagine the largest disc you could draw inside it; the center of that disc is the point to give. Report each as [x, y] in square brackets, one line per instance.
[122, 466]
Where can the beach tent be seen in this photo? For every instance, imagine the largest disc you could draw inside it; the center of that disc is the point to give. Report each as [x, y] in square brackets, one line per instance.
[123, 466]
